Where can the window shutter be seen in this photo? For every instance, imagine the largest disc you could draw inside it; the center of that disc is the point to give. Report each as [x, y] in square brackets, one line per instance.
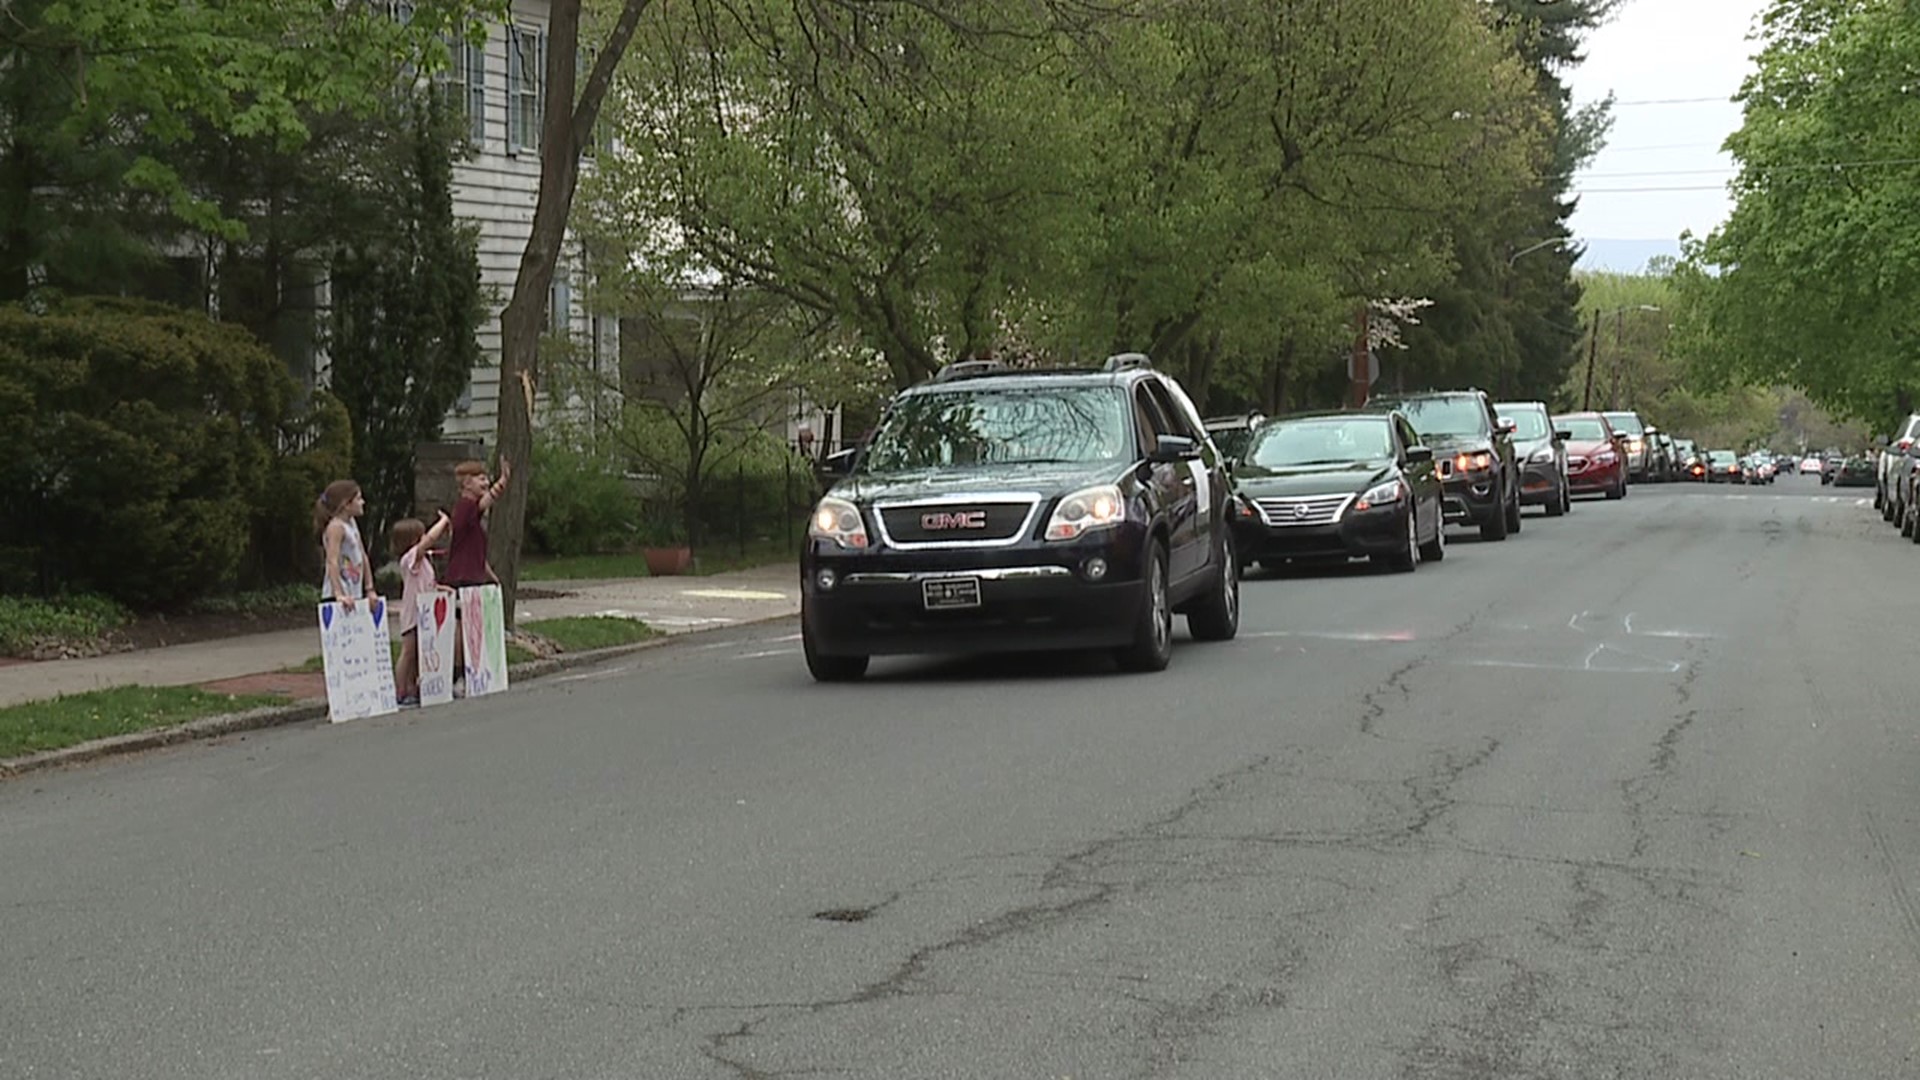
[477, 93]
[515, 137]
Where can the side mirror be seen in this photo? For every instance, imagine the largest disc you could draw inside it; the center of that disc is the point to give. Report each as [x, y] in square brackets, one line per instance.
[839, 463]
[1419, 454]
[1173, 448]
[1651, 430]
[1507, 425]
[1563, 435]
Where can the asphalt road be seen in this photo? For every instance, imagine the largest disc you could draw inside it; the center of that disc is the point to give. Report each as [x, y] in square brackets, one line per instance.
[1633, 794]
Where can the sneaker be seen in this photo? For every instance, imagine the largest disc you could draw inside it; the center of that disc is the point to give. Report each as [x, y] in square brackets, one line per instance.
[411, 701]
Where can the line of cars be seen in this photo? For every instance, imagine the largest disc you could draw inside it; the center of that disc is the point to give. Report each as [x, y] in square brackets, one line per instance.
[997, 509]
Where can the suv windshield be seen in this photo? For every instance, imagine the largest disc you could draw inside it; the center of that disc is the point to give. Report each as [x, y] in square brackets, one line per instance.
[1584, 429]
[1528, 424]
[1446, 415]
[1625, 423]
[980, 426]
[1321, 442]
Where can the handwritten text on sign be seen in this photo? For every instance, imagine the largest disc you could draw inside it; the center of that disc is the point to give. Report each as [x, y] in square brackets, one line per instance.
[357, 661]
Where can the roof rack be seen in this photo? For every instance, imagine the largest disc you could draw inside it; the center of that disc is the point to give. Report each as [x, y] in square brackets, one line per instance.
[963, 369]
[1127, 361]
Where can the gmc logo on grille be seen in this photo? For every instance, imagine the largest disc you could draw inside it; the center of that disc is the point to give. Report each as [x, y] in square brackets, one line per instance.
[948, 519]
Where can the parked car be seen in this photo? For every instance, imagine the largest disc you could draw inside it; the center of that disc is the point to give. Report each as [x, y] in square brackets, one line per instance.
[1337, 486]
[1473, 454]
[1595, 463]
[995, 510]
[1637, 447]
[1723, 467]
[1855, 471]
[1542, 457]
[1692, 462]
[1896, 453]
[1811, 466]
[1230, 434]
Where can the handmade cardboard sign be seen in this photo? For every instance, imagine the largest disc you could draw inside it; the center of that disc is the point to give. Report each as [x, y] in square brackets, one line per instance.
[436, 636]
[483, 629]
[357, 660]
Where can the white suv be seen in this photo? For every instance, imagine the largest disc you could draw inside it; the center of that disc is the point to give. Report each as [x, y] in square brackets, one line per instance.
[1886, 490]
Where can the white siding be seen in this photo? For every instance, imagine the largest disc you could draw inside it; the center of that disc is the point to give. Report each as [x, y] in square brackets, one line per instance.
[498, 190]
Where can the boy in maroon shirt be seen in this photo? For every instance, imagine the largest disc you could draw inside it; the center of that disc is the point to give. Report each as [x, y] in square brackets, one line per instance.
[467, 563]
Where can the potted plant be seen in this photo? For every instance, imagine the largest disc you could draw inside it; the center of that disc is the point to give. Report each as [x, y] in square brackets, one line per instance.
[663, 542]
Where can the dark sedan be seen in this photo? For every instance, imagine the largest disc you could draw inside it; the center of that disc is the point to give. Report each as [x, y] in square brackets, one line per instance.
[1335, 486]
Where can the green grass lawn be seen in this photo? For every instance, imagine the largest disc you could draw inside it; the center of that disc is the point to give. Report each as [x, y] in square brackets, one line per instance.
[591, 632]
[718, 557]
[77, 718]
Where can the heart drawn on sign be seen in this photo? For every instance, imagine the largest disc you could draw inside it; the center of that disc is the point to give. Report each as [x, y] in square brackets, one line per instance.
[439, 611]
[379, 611]
[326, 616]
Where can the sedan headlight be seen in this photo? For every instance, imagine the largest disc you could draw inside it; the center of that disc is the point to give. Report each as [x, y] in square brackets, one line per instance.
[839, 521]
[1382, 495]
[1086, 510]
[1605, 457]
[1541, 457]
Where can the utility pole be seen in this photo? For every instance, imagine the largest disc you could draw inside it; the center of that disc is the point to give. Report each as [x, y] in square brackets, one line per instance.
[1593, 349]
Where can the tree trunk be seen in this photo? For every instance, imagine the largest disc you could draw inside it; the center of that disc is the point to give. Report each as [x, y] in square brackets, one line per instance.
[566, 130]
[16, 240]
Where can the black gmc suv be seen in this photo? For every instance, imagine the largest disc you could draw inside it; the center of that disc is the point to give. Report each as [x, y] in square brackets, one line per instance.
[998, 509]
[1472, 452]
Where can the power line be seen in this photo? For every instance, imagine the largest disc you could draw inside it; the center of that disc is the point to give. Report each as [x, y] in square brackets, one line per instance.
[1813, 166]
[1727, 100]
[1666, 146]
[1644, 190]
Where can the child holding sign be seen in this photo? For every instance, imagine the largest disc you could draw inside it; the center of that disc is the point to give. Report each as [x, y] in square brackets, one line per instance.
[411, 542]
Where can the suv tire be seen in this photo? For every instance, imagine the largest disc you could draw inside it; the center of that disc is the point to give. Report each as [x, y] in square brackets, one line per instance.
[1560, 502]
[1216, 616]
[1152, 646]
[1513, 514]
[829, 668]
[1495, 526]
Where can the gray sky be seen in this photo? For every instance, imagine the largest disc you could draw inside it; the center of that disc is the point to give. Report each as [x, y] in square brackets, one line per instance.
[1669, 51]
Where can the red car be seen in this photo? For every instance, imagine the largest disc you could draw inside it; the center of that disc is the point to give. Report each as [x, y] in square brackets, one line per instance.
[1595, 465]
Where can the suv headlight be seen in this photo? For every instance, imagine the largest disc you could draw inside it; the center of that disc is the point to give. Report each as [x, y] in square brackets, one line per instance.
[1541, 457]
[1381, 495]
[1477, 461]
[839, 521]
[1086, 510]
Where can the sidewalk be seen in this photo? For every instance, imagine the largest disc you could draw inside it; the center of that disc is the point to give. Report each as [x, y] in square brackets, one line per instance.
[672, 605]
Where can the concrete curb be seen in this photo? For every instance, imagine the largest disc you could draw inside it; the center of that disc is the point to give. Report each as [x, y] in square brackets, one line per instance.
[213, 727]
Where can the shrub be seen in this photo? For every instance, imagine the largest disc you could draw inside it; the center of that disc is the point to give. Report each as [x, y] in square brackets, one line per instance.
[579, 503]
[26, 623]
[139, 445]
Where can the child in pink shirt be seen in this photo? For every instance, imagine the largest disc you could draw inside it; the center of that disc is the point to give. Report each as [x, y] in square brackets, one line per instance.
[411, 542]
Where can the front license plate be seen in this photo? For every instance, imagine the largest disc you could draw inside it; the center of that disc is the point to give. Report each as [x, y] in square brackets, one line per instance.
[941, 593]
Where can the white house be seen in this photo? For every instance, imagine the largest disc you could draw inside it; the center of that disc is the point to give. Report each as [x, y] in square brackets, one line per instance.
[501, 86]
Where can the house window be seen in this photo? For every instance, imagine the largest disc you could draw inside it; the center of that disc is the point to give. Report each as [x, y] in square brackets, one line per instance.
[559, 304]
[463, 85]
[526, 79]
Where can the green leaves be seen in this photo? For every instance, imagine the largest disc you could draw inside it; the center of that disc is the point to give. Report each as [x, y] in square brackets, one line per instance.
[1808, 281]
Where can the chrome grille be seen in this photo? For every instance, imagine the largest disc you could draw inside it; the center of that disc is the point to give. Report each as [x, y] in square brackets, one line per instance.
[1308, 510]
[987, 520]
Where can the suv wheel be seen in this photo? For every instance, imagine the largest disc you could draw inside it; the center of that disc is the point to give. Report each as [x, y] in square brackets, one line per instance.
[1495, 526]
[1152, 644]
[1513, 513]
[829, 668]
[1216, 616]
[1558, 505]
